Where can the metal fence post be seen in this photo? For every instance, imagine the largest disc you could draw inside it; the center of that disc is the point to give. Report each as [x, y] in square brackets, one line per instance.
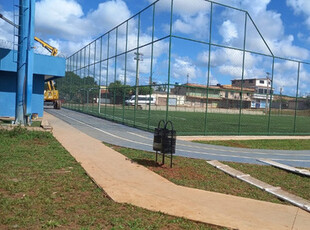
[242, 75]
[100, 67]
[125, 71]
[296, 100]
[151, 69]
[95, 52]
[271, 95]
[169, 61]
[88, 74]
[209, 69]
[115, 70]
[107, 76]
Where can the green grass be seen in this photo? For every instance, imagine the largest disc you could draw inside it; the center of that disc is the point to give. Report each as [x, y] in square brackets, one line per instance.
[36, 124]
[198, 174]
[194, 123]
[42, 186]
[263, 144]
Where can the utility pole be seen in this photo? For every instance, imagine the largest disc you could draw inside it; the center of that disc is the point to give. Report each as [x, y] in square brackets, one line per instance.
[138, 59]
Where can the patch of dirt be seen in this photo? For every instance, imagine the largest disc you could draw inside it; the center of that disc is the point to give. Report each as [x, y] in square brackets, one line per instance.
[4, 193]
[236, 144]
[20, 195]
[35, 141]
[40, 142]
[176, 172]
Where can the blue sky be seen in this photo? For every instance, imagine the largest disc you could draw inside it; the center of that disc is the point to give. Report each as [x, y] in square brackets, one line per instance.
[285, 24]
[293, 13]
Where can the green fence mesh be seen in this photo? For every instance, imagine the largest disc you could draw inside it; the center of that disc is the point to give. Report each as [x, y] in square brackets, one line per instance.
[154, 66]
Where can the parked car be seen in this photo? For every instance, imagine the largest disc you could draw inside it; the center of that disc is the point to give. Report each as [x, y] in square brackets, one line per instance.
[142, 100]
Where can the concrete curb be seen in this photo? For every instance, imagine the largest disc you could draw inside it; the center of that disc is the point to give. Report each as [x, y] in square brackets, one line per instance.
[276, 191]
[46, 126]
[224, 138]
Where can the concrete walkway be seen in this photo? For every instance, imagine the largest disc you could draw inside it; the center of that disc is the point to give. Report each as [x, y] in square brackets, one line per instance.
[127, 182]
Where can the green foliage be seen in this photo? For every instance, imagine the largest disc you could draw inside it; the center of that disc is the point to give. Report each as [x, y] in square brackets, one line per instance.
[143, 90]
[117, 91]
[307, 102]
[72, 88]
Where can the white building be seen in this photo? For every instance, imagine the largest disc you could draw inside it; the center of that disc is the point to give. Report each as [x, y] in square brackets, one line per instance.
[262, 88]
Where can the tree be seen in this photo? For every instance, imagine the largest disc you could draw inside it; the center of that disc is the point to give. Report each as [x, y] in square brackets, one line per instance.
[118, 92]
[307, 102]
[143, 90]
[72, 88]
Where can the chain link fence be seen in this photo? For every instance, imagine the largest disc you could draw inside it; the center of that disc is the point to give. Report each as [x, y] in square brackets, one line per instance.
[173, 63]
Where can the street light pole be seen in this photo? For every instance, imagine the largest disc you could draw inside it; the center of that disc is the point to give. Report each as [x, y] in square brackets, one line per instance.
[138, 59]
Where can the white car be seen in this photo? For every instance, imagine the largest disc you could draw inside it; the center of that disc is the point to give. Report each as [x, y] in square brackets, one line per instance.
[142, 100]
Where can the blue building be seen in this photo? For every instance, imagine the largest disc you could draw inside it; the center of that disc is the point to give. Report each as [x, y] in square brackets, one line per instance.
[45, 68]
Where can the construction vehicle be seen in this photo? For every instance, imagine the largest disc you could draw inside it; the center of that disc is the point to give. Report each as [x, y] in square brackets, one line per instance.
[51, 94]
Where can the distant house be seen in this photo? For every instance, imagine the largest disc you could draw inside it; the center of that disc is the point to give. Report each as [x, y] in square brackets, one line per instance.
[219, 96]
[262, 88]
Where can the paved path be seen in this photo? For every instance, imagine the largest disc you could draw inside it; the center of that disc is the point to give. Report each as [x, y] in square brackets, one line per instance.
[127, 182]
[125, 136]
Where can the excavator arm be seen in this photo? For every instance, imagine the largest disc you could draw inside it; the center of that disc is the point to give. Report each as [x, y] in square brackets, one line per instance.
[47, 46]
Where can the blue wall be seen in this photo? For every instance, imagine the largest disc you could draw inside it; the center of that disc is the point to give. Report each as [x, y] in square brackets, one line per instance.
[43, 66]
[8, 94]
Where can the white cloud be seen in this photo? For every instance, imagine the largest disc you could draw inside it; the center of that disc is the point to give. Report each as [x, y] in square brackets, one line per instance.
[183, 66]
[65, 19]
[183, 7]
[223, 56]
[286, 48]
[301, 7]
[190, 17]
[270, 25]
[228, 31]
[212, 79]
[65, 47]
[196, 26]
[64, 25]
[59, 17]
[254, 7]
[108, 15]
[6, 30]
[73, 29]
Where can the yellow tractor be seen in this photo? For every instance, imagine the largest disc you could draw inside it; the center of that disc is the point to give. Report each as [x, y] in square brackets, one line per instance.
[51, 93]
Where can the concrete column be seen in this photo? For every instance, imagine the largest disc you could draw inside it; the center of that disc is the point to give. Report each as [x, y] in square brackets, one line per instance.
[30, 55]
[24, 60]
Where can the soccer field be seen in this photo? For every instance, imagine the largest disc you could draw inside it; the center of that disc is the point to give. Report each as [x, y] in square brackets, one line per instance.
[198, 123]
